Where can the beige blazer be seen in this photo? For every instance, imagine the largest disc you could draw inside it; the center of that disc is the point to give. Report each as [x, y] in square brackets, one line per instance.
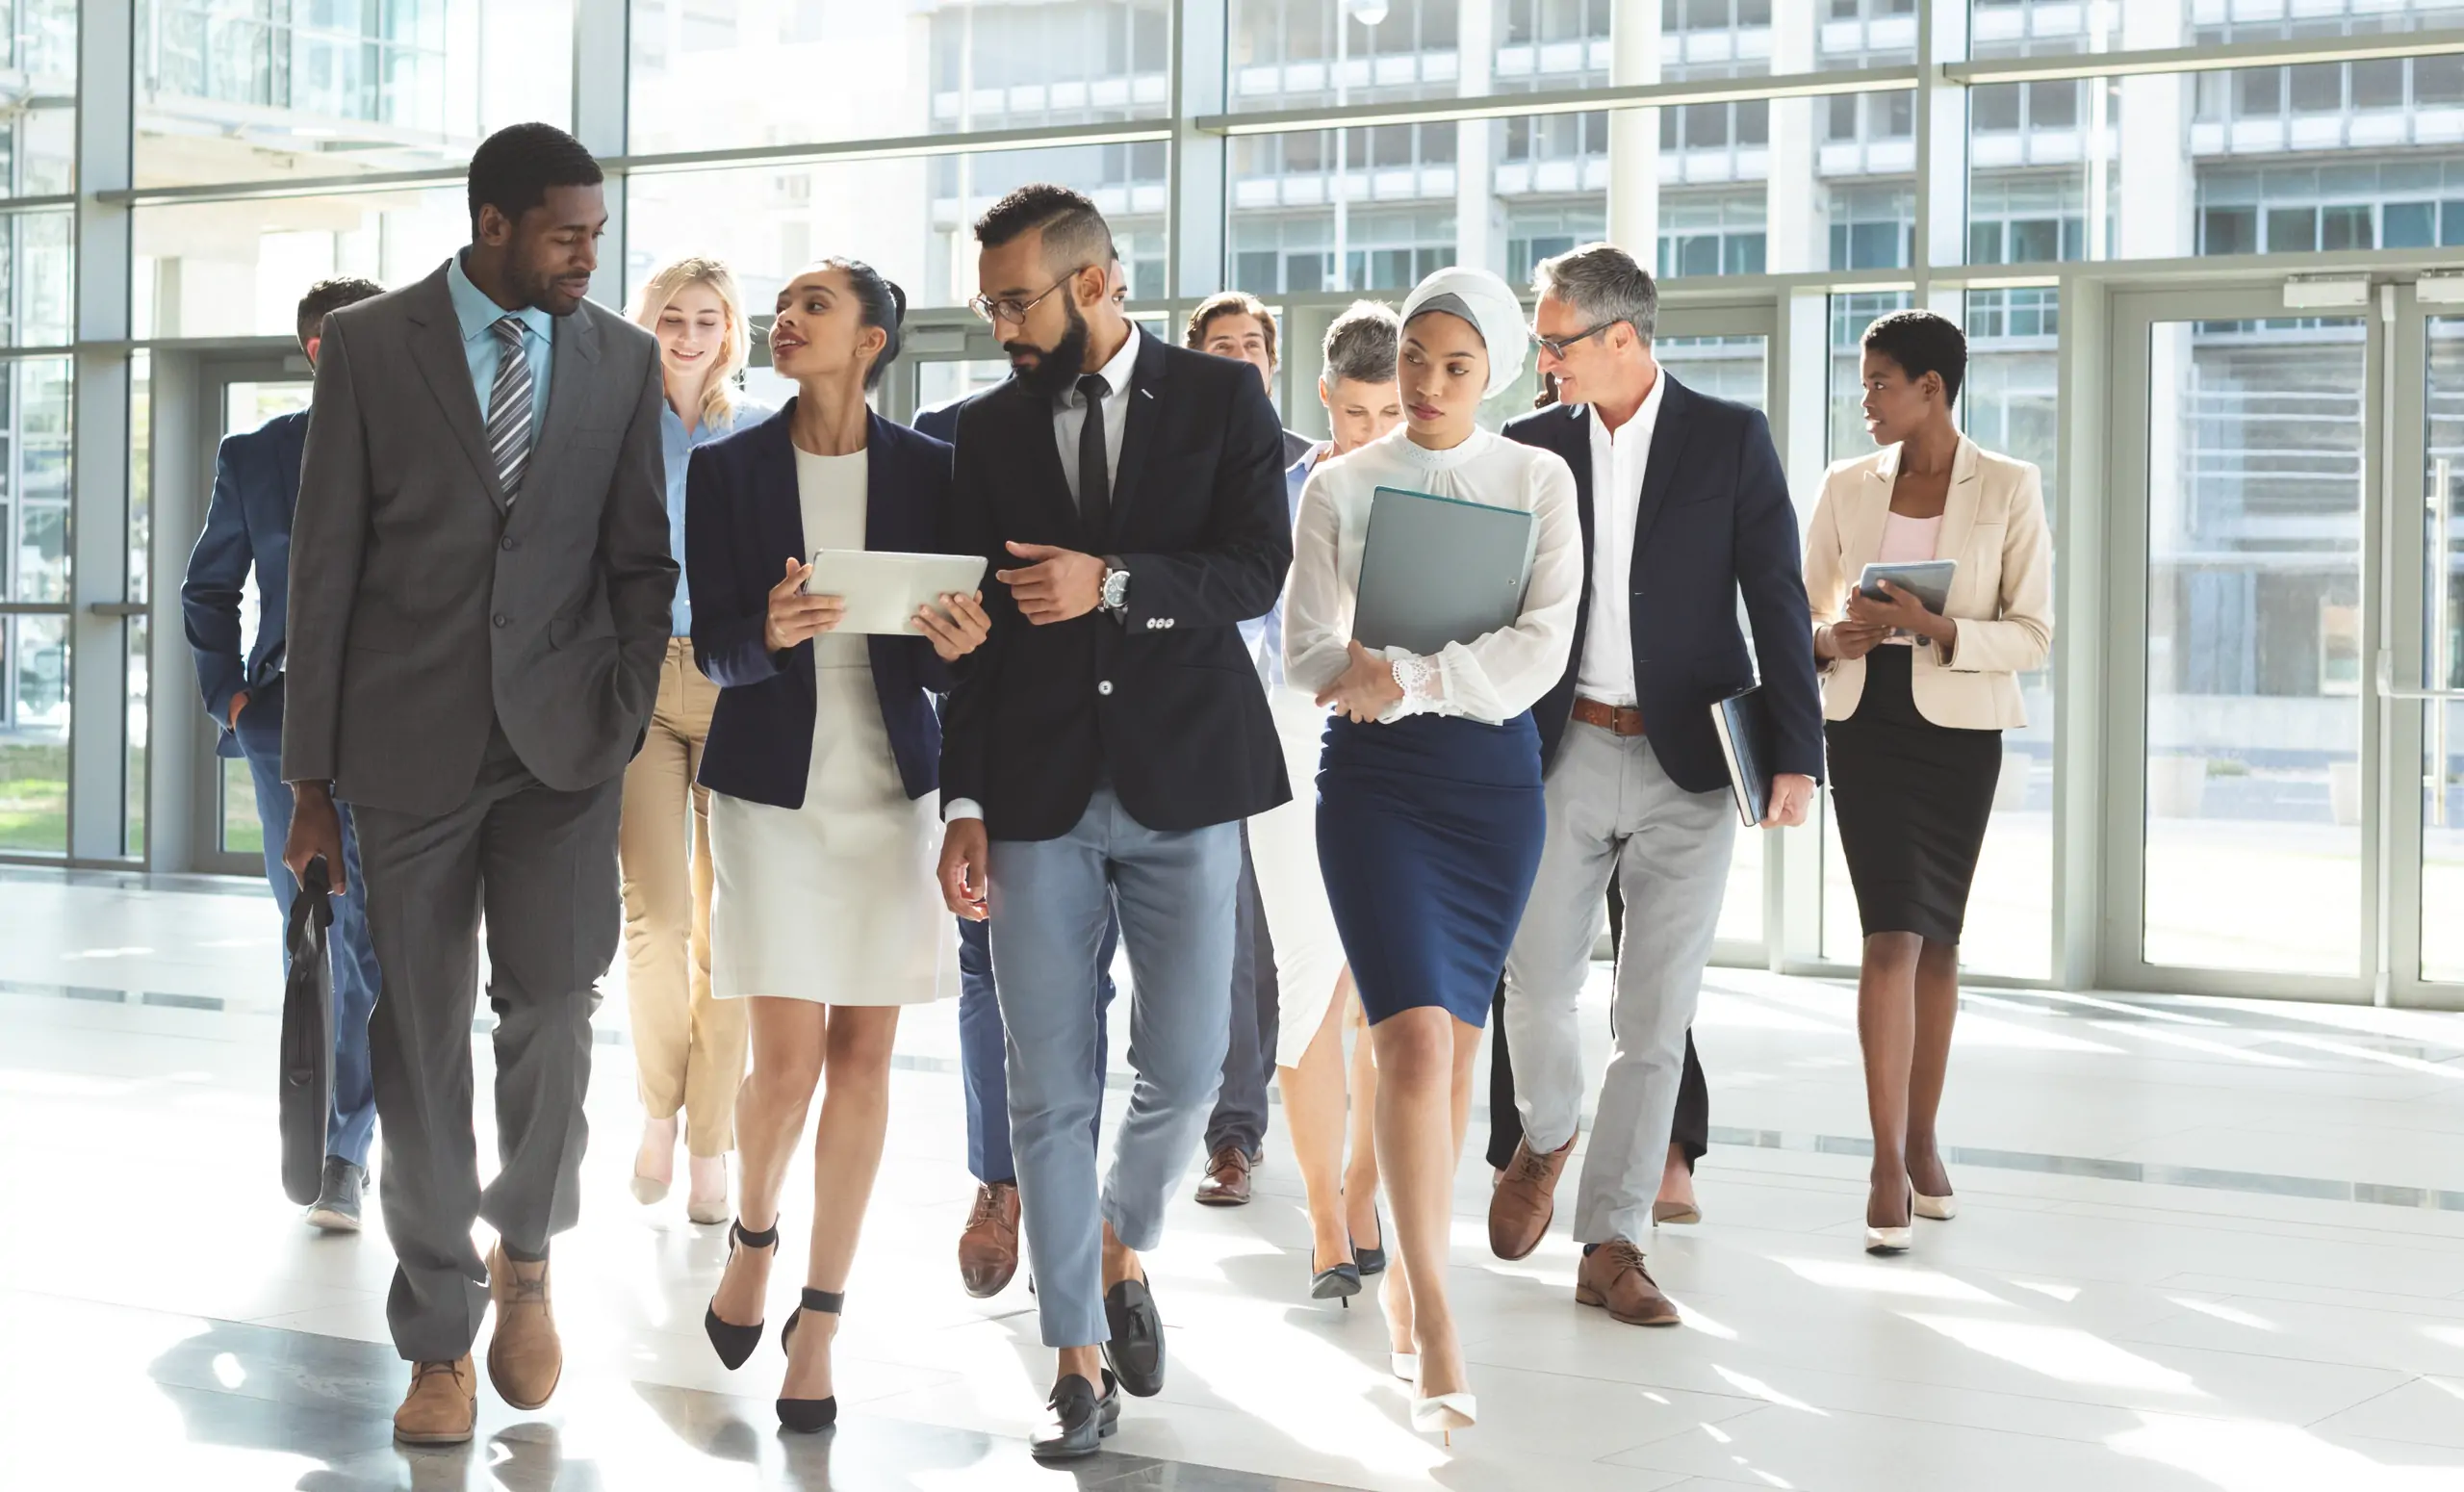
[1994, 524]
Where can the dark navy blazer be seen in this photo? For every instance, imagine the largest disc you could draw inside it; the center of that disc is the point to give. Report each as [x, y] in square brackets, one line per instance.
[1712, 523]
[256, 481]
[742, 523]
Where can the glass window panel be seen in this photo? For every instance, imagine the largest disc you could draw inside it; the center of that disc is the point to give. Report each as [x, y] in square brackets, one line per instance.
[34, 481]
[2378, 84]
[1994, 106]
[34, 734]
[2442, 870]
[911, 218]
[237, 268]
[36, 254]
[39, 129]
[2438, 80]
[712, 74]
[2253, 709]
[239, 91]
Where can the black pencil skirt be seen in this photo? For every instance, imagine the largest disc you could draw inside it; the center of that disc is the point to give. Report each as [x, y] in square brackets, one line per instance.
[1913, 798]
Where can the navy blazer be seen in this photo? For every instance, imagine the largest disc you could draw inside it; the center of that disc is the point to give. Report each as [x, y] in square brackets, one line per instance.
[1713, 521]
[256, 481]
[742, 523]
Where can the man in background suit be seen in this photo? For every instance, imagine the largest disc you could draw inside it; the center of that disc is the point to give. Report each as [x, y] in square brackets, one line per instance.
[1684, 507]
[1100, 751]
[480, 607]
[988, 1243]
[256, 481]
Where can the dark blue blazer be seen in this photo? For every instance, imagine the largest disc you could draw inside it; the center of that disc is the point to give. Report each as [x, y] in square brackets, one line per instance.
[742, 523]
[256, 481]
[1713, 521]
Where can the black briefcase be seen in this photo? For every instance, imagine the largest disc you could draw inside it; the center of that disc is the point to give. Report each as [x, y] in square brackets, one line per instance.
[307, 1038]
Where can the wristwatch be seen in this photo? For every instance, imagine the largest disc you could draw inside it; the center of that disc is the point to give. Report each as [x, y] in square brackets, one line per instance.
[1114, 595]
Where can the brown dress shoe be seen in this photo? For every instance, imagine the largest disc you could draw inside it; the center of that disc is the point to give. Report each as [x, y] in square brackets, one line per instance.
[442, 1405]
[1612, 1276]
[524, 1358]
[1226, 1182]
[1525, 1198]
[988, 1248]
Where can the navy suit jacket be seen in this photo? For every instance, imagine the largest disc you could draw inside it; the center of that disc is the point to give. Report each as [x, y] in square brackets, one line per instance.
[1161, 700]
[1714, 522]
[742, 523]
[256, 481]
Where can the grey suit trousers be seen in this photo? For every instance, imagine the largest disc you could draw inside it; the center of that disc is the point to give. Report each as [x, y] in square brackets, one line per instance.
[541, 865]
[1612, 810]
[1050, 900]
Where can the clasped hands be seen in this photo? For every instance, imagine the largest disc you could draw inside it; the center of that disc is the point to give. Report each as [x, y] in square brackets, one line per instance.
[795, 617]
[1869, 621]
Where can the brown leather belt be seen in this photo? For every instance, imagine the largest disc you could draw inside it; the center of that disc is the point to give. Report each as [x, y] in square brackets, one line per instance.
[1615, 719]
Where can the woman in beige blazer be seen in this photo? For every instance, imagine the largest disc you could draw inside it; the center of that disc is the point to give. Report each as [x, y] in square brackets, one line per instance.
[1915, 705]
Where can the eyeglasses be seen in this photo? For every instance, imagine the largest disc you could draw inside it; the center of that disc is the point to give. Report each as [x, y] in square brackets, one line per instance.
[1556, 346]
[1010, 309]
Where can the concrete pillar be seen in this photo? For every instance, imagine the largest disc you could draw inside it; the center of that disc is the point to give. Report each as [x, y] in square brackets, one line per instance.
[1633, 134]
[1479, 219]
[1797, 211]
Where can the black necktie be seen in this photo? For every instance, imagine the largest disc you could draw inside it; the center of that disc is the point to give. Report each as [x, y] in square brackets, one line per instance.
[1094, 472]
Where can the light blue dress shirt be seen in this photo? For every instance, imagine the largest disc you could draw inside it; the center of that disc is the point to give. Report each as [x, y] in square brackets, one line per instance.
[1264, 636]
[476, 313]
[679, 443]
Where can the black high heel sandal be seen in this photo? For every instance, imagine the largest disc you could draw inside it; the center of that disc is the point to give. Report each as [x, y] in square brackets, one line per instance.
[806, 1416]
[734, 1343]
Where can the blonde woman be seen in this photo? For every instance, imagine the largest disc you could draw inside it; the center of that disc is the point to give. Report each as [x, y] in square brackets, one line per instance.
[688, 1049]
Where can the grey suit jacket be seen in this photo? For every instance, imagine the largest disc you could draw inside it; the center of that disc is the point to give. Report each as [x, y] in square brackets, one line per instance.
[423, 608]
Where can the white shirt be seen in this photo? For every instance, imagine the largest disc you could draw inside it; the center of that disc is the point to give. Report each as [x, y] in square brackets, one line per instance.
[1493, 677]
[1068, 418]
[1618, 462]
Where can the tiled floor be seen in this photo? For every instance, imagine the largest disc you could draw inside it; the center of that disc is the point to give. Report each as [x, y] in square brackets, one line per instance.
[2205, 1244]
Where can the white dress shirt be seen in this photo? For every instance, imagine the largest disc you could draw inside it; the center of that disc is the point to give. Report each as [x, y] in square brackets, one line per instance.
[1069, 414]
[1493, 677]
[1605, 671]
[1068, 418]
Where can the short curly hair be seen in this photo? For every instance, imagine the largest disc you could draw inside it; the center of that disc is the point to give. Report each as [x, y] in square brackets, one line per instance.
[1922, 343]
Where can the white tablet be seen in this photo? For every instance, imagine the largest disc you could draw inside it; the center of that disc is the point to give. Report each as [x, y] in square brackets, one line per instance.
[884, 588]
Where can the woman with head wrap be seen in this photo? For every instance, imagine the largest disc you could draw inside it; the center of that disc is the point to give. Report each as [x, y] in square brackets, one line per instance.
[1429, 814]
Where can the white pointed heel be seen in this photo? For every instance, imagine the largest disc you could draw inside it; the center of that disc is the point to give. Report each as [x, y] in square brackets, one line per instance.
[1445, 1413]
[649, 1190]
[1888, 1240]
[1405, 1365]
[1941, 1209]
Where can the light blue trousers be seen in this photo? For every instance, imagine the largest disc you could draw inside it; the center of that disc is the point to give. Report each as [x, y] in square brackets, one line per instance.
[1050, 902]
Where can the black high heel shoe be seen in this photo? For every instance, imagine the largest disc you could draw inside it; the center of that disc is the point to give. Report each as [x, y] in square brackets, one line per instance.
[1372, 1261]
[1340, 1284]
[806, 1416]
[734, 1343]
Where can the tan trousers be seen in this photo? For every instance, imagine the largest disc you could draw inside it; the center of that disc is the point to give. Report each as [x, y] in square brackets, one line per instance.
[689, 1049]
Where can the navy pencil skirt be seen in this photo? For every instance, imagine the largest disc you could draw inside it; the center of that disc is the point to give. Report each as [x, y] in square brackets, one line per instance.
[1429, 835]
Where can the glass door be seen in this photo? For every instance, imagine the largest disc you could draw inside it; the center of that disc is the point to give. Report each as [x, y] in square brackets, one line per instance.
[238, 397]
[2286, 716]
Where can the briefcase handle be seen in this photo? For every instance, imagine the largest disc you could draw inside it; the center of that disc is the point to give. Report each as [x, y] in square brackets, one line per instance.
[316, 891]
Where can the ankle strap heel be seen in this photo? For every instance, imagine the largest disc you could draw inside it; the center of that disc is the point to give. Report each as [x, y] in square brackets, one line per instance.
[827, 1301]
[810, 1416]
[767, 1238]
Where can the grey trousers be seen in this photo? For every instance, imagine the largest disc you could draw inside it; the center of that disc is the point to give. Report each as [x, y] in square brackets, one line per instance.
[541, 865]
[1240, 1117]
[1613, 811]
[1049, 900]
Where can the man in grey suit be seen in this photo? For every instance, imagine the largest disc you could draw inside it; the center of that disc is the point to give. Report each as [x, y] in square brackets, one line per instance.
[479, 588]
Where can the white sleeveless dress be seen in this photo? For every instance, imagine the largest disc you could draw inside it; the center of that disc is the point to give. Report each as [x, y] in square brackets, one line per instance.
[833, 902]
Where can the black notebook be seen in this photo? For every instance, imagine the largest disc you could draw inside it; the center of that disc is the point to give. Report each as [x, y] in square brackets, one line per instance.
[1743, 724]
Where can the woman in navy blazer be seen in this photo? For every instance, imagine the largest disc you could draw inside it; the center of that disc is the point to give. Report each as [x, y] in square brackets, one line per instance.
[822, 771]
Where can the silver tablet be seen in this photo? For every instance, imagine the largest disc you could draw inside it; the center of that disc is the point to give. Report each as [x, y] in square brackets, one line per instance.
[884, 588]
[1929, 581]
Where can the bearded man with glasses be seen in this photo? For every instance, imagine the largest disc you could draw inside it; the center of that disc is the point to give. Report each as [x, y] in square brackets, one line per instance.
[1100, 751]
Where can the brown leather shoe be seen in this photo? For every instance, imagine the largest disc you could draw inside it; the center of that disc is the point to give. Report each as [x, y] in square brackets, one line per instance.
[1226, 1182]
[524, 1358]
[442, 1405]
[988, 1248]
[1525, 1198]
[1612, 1276]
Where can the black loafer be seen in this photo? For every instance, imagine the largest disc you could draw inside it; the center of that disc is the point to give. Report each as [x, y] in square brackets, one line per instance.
[1136, 1350]
[1075, 1420]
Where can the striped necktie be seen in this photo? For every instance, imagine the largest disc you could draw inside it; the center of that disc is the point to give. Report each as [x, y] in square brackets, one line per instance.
[509, 407]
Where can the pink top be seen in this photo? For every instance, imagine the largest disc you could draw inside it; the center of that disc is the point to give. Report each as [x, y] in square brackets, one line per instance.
[1905, 540]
